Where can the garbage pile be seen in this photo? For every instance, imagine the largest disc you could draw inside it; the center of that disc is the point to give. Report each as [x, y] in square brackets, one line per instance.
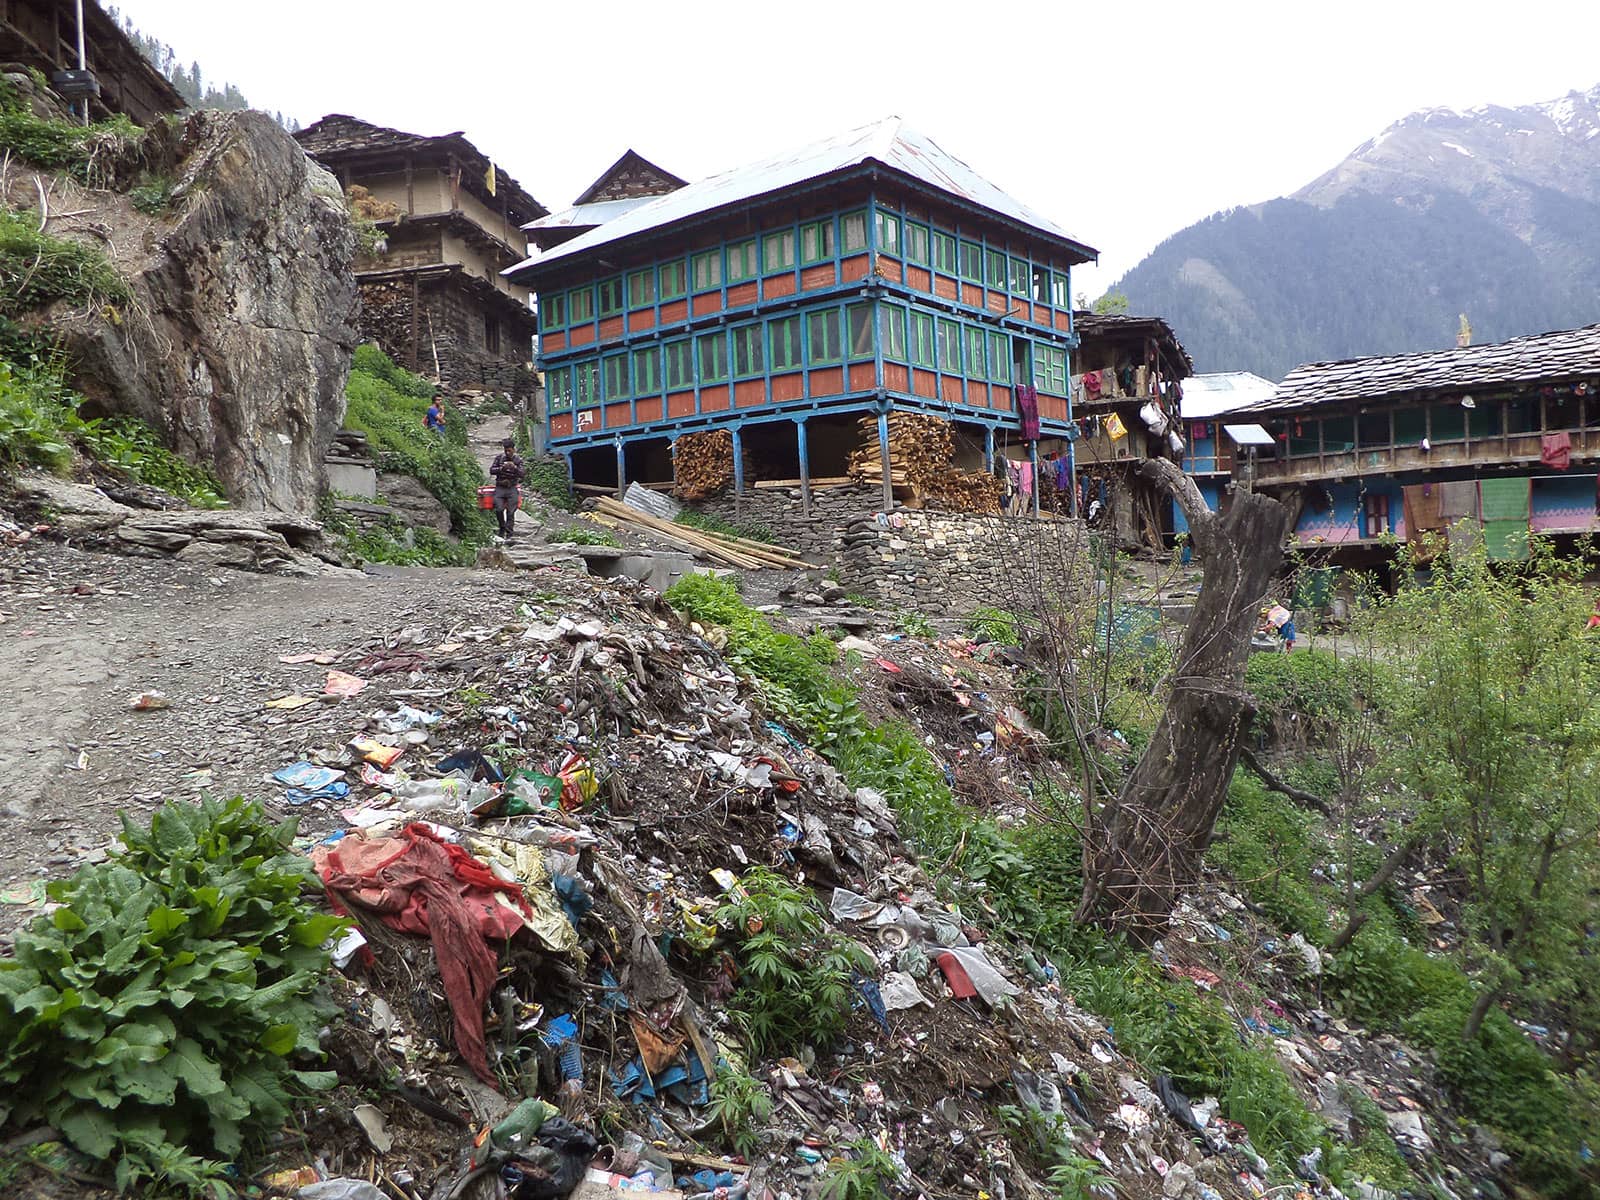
[541, 971]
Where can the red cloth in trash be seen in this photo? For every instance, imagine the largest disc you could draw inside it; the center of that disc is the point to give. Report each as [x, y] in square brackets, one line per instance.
[1555, 450]
[423, 885]
[956, 976]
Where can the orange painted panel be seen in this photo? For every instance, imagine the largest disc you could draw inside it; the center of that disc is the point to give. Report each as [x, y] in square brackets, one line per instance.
[862, 377]
[1063, 320]
[581, 335]
[1052, 408]
[648, 410]
[680, 404]
[610, 328]
[820, 276]
[827, 381]
[743, 293]
[709, 303]
[996, 302]
[852, 269]
[920, 278]
[561, 425]
[972, 294]
[890, 268]
[714, 399]
[944, 286]
[672, 313]
[645, 318]
[618, 415]
[925, 383]
[895, 378]
[552, 341]
[1002, 399]
[788, 387]
[778, 285]
[749, 393]
[950, 389]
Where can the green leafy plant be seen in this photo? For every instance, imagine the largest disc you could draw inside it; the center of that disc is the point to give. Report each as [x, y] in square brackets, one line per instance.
[993, 625]
[155, 1016]
[712, 523]
[152, 195]
[37, 270]
[742, 1104]
[90, 153]
[578, 535]
[867, 1175]
[128, 445]
[916, 625]
[795, 974]
[547, 477]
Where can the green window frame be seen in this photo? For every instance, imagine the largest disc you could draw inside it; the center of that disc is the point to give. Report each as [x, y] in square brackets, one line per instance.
[996, 260]
[614, 377]
[586, 384]
[858, 317]
[972, 262]
[816, 241]
[922, 353]
[1041, 284]
[888, 233]
[743, 261]
[748, 356]
[1061, 290]
[647, 371]
[944, 253]
[674, 279]
[711, 349]
[611, 296]
[553, 311]
[824, 337]
[777, 252]
[787, 344]
[678, 364]
[707, 270]
[999, 358]
[853, 232]
[558, 389]
[894, 332]
[976, 338]
[950, 347]
[642, 288]
[1050, 369]
[917, 243]
[581, 304]
[1021, 281]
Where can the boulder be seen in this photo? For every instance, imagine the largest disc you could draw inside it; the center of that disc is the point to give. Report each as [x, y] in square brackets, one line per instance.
[413, 503]
[236, 342]
[74, 509]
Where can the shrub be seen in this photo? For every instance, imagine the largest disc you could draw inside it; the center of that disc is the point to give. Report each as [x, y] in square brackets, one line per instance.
[37, 270]
[547, 477]
[994, 625]
[128, 445]
[34, 419]
[577, 535]
[1270, 847]
[741, 1104]
[155, 1014]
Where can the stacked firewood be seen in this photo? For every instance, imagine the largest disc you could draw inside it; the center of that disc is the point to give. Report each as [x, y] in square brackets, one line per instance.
[703, 464]
[922, 464]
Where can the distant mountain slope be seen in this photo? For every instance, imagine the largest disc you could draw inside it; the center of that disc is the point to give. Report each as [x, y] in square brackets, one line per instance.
[1494, 212]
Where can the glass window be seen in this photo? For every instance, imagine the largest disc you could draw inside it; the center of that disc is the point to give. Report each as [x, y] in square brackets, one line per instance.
[615, 374]
[860, 319]
[917, 243]
[944, 253]
[1061, 290]
[707, 270]
[853, 232]
[742, 261]
[999, 358]
[553, 311]
[674, 280]
[997, 269]
[950, 347]
[888, 234]
[747, 355]
[922, 339]
[786, 351]
[894, 333]
[679, 365]
[1050, 370]
[647, 371]
[581, 301]
[777, 251]
[558, 389]
[1041, 285]
[713, 351]
[972, 261]
[975, 340]
[610, 296]
[816, 241]
[586, 384]
[641, 288]
[824, 337]
[1021, 280]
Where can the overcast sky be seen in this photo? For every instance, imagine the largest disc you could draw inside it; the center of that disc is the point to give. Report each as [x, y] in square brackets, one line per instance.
[1123, 122]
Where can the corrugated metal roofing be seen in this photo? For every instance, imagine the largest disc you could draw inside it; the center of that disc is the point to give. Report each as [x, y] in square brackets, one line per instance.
[1562, 354]
[889, 142]
[1217, 392]
[595, 213]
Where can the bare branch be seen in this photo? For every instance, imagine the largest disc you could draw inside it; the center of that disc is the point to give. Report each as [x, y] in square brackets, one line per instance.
[1307, 799]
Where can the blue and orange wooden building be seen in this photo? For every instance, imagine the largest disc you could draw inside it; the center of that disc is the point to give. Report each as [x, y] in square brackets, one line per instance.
[783, 301]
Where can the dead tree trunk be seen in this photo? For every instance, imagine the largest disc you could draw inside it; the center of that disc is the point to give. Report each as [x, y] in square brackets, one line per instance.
[1145, 847]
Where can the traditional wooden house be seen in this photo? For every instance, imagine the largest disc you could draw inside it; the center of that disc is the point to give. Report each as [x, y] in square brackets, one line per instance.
[799, 300]
[436, 298]
[626, 184]
[44, 34]
[1504, 436]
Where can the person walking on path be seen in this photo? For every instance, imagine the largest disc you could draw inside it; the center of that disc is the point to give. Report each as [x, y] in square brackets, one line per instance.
[508, 470]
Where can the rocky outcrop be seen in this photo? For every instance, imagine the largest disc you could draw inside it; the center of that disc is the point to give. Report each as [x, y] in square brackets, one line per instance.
[237, 341]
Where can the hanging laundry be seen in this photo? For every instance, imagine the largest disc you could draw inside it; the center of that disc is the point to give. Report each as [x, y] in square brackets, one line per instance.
[1423, 508]
[1555, 450]
[1091, 385]
[1028, 407]
[1115, 427]
[1128, 381]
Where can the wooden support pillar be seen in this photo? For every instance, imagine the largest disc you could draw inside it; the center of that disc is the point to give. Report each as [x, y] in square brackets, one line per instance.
[416, 305]
[738, 473]
[988, 448]
[672, 449]
[805, 466]
[883, 454]
[1072, 474]
[411, 199]
[1033, 457]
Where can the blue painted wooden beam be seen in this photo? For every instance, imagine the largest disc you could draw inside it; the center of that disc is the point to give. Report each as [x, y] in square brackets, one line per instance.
[805, 466]
[883, 454]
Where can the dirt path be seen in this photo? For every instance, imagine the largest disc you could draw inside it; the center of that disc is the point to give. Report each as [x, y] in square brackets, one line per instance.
[484, 438]
[81, 634]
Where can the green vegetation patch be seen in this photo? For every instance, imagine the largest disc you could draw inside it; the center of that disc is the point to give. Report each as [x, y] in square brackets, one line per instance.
[37, 270]
[711, 523]
[86, 152]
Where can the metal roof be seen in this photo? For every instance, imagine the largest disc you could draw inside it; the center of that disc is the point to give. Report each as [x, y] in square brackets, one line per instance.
[889, 142]
[587, 215]
[1533, 359]
[1218, 392]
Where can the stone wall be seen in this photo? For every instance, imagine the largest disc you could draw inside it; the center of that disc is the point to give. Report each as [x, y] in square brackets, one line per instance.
[450, 325]
[779, 509]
